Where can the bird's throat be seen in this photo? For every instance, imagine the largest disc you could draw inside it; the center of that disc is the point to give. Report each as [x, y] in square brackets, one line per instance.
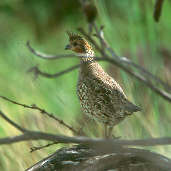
[87, 59]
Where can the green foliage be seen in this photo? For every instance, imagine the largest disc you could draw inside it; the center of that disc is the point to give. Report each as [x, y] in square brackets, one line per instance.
[129, 29]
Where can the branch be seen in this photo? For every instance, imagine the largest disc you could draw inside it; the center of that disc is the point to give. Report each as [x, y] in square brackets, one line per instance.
[33, 149]
[42, 111]
[38, 72]
[36, 135]
[119, 63]
[162, 93]
[47, 56]
[109, 143]
[102, 146]
[146, 73]
[11, 122]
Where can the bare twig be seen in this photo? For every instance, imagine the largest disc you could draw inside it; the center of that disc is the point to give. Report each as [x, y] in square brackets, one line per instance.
[162, 93]
[11, 122]
[100, 36]
[47, 56]
[37, 72]
[33, 149]
[43, 111]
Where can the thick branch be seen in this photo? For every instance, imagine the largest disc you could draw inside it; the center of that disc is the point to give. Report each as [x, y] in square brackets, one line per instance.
[35, 135]
[108, 143]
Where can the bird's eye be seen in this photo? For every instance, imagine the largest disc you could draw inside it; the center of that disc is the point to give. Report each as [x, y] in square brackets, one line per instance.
[75, 43]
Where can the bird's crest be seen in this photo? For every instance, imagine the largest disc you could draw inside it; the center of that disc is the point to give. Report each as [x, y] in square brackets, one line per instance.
[74, 36]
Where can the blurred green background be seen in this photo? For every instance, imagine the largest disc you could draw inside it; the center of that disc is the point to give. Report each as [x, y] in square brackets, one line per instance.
[129, 29]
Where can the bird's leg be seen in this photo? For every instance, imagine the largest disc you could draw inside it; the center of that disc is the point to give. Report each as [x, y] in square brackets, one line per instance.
[110, 131]
[105, 130]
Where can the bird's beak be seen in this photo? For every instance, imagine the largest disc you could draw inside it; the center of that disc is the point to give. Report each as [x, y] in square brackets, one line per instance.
[67, 47]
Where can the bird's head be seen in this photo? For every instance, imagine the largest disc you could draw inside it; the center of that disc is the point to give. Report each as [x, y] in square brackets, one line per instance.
[79, 45]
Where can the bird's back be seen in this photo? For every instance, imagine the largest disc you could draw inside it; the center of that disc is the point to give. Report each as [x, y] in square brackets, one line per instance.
[100, 95]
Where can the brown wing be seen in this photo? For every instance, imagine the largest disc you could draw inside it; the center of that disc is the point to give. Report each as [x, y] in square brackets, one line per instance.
[108, 93]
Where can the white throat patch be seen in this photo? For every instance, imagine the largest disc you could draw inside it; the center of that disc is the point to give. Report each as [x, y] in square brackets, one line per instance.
[89, 54]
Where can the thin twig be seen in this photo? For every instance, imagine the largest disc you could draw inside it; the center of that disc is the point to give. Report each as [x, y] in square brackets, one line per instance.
[100, 35]
[162, 93]
[48, 56]
[43, 111]
[37, 71]
[147, 73]
[12, 123]
[33, 149]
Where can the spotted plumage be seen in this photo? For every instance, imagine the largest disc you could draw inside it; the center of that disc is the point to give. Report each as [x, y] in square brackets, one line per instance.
[100, 95]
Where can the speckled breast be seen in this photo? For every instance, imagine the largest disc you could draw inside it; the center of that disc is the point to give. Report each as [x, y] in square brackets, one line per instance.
[96, 102]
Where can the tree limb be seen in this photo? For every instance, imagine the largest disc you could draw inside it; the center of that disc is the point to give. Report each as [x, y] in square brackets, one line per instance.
[95, 142]
[38, 72]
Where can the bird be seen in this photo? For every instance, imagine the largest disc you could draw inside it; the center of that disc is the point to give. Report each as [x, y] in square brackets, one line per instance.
[100, 96]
